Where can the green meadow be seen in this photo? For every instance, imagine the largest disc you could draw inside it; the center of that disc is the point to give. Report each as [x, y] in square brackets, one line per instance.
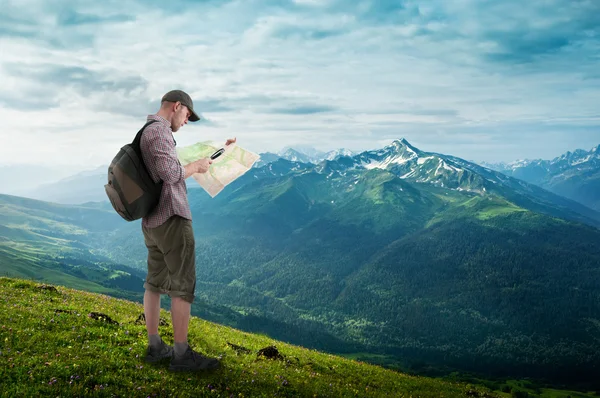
[56, 341]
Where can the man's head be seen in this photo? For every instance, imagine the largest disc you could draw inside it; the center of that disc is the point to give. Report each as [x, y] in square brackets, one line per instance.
[177, 107]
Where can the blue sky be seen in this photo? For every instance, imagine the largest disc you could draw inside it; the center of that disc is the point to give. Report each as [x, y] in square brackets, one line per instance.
[484, 80]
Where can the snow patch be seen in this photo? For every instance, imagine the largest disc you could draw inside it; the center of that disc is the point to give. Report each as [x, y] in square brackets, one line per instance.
[438, 168]
[575, 163]
[388, 161]
[447, 167]
[408, 174]
[423, 160]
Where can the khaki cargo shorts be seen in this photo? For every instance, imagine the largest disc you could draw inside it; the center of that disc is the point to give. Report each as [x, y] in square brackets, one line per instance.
[171, 258]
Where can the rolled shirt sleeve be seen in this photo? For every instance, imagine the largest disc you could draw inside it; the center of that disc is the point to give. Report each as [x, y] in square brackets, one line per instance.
[160, 156]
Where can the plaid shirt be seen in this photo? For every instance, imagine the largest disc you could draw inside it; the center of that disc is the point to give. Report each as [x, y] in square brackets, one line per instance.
[159, 155]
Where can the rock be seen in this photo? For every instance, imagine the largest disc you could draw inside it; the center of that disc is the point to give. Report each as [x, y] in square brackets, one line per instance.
[47, 288]
[239, 349]
[270, 352]
[102, 317]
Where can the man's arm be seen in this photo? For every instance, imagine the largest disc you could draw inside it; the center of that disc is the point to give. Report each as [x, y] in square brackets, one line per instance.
[158, 151]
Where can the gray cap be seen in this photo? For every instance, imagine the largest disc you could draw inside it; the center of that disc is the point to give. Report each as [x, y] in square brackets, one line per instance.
[185, 99]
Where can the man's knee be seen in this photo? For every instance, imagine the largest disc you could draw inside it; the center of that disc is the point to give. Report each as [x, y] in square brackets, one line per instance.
[185, 296]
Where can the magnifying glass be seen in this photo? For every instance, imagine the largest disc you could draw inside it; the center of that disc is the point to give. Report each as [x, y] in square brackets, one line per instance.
[217, 154]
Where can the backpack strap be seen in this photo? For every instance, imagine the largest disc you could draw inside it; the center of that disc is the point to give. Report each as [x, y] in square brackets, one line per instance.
[138, 137]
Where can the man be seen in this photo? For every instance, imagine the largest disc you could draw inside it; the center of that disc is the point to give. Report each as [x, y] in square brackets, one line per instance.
[169, 236]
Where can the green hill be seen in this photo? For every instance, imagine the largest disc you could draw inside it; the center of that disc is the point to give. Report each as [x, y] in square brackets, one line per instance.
[415, 272]
[52, 344]
[492, 276]
[414, 276]
[56, 243]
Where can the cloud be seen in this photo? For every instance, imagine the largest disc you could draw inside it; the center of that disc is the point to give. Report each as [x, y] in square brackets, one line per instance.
[303, 109]
[449, 75]
[69, 17]
[542, 29]
[60, 81]
[56, 24]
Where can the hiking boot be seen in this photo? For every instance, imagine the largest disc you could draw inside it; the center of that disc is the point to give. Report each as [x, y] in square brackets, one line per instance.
[154, 355]
[192, 361]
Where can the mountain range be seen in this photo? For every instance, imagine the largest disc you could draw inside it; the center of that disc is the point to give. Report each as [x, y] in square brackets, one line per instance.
[574, 175]
[418, 259]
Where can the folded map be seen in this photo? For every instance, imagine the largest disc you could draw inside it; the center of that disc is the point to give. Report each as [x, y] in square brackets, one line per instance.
[232, 164]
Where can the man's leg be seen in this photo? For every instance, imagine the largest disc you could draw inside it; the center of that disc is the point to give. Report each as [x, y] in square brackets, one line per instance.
[155, 279]
[152, 313]
[180, 314]
[157, 348]
[182, 266]
[185, 358]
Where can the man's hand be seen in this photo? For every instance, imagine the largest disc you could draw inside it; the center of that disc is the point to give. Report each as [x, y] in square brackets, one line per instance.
[230, 141]
[202, 165]
[199, 166]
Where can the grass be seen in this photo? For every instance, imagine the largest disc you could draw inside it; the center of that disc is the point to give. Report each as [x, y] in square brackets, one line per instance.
[510, 388]
[50, 346]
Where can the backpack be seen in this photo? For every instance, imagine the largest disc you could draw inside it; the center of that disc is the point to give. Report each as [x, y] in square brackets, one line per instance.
[130, 189]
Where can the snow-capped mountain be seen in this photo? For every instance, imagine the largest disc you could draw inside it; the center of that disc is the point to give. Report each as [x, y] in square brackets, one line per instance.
[412, 164]
[332, 155]
[296, 156]
[578, 158]
[311, 155]
[575, 175]
[305, 150]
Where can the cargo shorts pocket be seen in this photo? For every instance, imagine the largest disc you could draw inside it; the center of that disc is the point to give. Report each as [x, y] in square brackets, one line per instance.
[180, 258]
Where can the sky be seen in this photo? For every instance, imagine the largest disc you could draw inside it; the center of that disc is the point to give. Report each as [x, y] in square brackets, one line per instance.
[480, 79]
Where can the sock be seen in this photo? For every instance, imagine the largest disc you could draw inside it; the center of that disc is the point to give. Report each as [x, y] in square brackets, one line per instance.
[154, 340]
[180, 348]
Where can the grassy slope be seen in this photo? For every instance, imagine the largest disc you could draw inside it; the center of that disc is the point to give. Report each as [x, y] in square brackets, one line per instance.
[47, 353]
[21, 264]
[51, 243]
